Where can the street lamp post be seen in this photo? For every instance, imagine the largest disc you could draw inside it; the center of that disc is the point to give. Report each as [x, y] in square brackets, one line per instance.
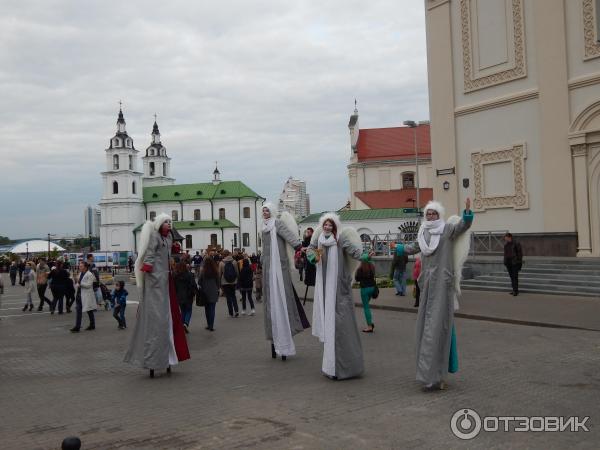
[412, 124]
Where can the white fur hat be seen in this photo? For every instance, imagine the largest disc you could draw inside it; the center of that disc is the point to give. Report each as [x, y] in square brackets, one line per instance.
[436, 206]
[160, 219]
[331, 216]
[271, 207]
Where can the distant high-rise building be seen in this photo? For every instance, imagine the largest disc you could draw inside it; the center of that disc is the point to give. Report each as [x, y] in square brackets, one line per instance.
[91, 217]
[294, 198]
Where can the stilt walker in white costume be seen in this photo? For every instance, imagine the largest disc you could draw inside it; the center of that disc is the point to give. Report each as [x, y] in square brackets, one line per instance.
[158, 340]
[284, 315]
[444, 247]
[336, 253]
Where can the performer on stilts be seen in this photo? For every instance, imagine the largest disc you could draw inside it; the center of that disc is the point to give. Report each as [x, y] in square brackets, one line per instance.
[336, 253]
[158, 341]
[284, 315]
[444, 247]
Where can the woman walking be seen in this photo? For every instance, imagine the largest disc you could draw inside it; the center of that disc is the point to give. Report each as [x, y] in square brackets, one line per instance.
[246, 285]
[209, 285]
[85, 298]
[185, 287]
[365, 275]
[30, 284]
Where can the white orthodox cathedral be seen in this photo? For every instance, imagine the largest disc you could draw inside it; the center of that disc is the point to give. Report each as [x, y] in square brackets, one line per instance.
[217, 213]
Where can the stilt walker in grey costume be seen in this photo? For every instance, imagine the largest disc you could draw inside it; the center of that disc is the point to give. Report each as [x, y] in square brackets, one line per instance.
[284, 315]
[336, 252]
[444, 247]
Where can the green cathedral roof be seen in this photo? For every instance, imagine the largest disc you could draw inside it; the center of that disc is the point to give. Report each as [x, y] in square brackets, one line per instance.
[364, 214]
[198, 191]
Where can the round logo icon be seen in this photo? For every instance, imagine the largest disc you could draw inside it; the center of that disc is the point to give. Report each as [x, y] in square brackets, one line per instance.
[465, 424]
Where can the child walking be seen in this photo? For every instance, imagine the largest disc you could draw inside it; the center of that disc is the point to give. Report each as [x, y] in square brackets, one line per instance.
[119, 302]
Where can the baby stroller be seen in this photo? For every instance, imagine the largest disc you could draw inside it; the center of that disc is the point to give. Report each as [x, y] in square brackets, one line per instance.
[106, 296]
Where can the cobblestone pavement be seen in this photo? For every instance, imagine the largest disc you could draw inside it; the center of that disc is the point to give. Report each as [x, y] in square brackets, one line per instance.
[231, 394]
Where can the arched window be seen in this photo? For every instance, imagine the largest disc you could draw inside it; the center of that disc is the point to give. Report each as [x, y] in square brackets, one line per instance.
[115, 187]
[165, 169]
[152, 171]
[151, 152]
[188, 241]
[197, 214]
[116, 142]
[408, 180]
[130, 162]
[128, 143]
[152, 215]
[246, 213]
[221, 213]
[133, 187]
[174, 215]
[246, 239]
[213, 240]
[115, 162]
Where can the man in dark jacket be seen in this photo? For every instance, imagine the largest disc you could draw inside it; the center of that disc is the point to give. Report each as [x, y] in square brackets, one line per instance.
[513, 260]
[398, 273]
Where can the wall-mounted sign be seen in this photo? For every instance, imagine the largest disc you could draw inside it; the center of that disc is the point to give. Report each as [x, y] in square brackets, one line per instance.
[450, 171]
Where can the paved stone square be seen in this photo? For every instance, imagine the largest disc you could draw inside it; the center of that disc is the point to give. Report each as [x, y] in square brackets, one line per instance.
[231, 394]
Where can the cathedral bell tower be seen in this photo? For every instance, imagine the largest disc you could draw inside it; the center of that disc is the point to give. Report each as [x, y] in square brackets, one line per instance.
[121, 207]
[157, 165]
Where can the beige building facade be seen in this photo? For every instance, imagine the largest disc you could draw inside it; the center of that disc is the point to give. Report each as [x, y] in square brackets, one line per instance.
[514, 91]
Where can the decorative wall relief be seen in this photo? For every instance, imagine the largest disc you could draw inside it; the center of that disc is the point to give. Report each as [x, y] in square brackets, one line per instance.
[516, 156]
[514, 69]
[590, 35]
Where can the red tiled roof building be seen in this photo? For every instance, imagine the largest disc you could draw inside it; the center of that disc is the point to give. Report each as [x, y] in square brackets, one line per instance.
[382, 169]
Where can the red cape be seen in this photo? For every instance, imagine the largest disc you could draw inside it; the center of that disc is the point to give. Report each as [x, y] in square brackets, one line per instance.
[181, 347]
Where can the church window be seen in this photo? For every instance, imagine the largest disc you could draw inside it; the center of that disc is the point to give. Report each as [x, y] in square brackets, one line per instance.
[151, 152]
[128, 143]
[115, 187]
[213, 240]
[246, 213]
[152, 215]
[408, 180]
[174, 215]
[196, 214]
[246, 239]
[235, 239]
[188, 241]
[117, 142]
[130, 162]
[165, 169]
[133, 187]
[152, 171]
[221, 213]
[115, 162]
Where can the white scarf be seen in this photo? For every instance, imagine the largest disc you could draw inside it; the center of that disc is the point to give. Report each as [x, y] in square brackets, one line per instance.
[324, 302]
[280, 323]
[436, 229]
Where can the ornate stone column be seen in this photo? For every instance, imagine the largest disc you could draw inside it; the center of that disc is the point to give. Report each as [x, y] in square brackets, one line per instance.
[580, 181]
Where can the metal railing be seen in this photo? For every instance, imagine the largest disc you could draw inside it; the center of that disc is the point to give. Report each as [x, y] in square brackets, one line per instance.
[487, 242]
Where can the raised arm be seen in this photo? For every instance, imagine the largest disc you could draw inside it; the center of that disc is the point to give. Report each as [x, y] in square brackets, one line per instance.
[459, 228]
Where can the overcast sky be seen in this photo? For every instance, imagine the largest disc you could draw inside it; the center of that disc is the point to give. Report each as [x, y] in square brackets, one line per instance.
[264, 87]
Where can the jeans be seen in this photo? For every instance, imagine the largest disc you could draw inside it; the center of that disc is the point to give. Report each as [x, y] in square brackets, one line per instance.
[248, 295]
[119, 314]
[513, 273]
[366, 294]
[186, 313]
[78, 315]
[209, 311]
[13, 278]
[400, 282]
[41, 289]
[58, 297]
[229, 290]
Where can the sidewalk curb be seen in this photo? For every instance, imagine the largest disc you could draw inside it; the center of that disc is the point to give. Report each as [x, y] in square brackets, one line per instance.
[528, 323]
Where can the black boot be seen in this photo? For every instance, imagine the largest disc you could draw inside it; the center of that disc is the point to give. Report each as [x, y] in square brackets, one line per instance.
[169, 370]
[283, 357]
[151, 373]
[273, 354]
[25, 307]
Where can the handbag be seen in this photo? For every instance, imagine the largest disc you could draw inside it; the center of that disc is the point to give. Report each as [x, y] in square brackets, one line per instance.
[375, 292]
[201, 299]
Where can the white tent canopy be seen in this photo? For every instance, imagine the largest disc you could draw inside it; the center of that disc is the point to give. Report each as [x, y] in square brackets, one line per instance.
[35, 246]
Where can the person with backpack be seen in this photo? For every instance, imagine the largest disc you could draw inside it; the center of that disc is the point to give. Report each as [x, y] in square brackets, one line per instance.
[229, 274]
[119, 301]
[185, 288]
[246, 284]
